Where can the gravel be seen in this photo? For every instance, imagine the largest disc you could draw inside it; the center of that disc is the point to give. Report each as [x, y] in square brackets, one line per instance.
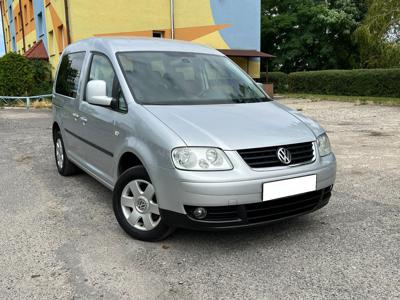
[60, 240]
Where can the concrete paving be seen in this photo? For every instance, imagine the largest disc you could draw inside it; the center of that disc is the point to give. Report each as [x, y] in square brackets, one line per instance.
[59, 238]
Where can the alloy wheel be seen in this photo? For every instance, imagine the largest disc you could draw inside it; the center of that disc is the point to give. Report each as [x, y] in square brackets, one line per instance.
[139, 205]
[59, 153]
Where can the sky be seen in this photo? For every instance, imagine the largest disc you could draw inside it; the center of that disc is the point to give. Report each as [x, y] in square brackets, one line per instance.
[1, 40]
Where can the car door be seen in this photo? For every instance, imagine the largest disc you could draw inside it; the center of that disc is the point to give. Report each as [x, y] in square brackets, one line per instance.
[100, 126]
[66, 92]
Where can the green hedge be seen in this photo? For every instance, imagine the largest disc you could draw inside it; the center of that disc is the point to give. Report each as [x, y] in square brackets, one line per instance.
[279, 79]
[366, 82]
[43, 81]
[22, 77]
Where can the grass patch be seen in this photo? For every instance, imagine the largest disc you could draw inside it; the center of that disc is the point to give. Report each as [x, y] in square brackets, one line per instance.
[361, 100]
[41, 103]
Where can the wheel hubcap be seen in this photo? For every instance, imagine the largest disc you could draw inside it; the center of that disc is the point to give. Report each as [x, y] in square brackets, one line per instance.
[59, 153]
[142, 204]
[139, 205]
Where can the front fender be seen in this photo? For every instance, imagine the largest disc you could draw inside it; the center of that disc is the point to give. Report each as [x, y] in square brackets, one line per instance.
[151, 141]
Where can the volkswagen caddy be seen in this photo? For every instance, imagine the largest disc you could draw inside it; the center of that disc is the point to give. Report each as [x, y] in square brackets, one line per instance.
[184, 138]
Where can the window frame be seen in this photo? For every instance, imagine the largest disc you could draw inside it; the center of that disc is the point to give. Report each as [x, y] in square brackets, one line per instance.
[158, 32]
[89, 68]
[131, 89]
[40, 24]
[58, 71]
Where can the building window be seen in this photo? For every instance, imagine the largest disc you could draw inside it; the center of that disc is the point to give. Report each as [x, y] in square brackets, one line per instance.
[158, 34]
[26, 17]
[31, 13]
[60, 37]
[20, 21]
[10, 14]
[16, 25]
[51, 42]
[40, 24]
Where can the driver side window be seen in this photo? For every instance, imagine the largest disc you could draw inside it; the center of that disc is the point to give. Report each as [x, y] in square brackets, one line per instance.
[101, 69]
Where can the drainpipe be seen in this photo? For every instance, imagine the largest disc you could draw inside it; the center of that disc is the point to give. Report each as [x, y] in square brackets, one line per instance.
[66, 9]
[22, 27]
[2, 25]
[172, 19]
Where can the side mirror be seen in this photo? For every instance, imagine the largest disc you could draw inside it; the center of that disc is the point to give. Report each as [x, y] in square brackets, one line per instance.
[96, 93]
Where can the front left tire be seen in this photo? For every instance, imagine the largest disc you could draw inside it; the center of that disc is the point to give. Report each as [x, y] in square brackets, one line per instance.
[136, 208]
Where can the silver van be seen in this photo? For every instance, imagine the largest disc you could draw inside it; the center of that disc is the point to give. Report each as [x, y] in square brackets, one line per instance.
[184, 138]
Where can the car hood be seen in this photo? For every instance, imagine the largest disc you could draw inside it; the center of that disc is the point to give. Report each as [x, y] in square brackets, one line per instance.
[234, 126]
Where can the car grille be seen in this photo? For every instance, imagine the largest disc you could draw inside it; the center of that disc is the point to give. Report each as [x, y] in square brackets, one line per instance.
[265, 211]
[267, 157]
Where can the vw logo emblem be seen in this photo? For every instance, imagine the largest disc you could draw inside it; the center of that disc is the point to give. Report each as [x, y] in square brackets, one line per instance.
[142, 205]
[284, 155]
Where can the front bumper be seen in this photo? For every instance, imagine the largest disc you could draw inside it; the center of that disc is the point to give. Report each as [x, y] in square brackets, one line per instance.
[246, 215]
[176, 189]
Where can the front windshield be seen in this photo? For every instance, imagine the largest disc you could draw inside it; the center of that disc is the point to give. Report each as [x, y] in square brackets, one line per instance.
[170, 78]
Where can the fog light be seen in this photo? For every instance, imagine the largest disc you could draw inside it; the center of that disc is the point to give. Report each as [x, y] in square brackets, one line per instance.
[200, 213]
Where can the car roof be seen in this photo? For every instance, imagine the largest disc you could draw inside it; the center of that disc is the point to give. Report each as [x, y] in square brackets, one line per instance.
[111, 45]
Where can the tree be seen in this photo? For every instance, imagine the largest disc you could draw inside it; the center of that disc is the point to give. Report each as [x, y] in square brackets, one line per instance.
[311, 34]
[43, 82]
[20, 76]
[379, 35]
[16, 75]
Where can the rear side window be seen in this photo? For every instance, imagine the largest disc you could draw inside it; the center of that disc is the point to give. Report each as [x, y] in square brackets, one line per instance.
[69, 73]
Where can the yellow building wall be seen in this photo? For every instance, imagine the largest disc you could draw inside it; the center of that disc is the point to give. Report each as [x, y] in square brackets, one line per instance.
[56, 29]
[112, 17]
[30, 39]
[194, 22]
[198, 14]
[249, 65]
[27, 22]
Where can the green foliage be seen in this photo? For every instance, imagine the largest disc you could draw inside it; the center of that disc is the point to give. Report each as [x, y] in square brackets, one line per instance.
[16, 75]
[279, 79]
[42, 77]
[379, 35]
[22, 77]
[311, 34]
[371, 82]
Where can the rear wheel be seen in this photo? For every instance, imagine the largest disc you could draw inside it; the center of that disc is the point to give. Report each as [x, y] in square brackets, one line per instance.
[64, 166]
[136, 208]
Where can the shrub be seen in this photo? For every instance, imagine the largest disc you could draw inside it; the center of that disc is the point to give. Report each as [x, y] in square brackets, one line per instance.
[22, 77]
[366, 82]
[16, 75]
[42, 77]
[279, 79]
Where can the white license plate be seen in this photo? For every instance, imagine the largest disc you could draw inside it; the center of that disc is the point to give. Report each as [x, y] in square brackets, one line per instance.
[289, 187]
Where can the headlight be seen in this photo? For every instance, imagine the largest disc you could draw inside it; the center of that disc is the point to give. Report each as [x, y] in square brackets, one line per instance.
[324, 146]
[200, 159]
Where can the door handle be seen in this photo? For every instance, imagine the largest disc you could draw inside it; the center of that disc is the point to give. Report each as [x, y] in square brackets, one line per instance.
[76, 116]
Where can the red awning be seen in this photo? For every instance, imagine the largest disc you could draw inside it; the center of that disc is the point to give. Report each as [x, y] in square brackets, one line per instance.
[245, 53]
[37, 51]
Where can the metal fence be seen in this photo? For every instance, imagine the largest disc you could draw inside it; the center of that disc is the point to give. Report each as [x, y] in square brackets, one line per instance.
[11, 100]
